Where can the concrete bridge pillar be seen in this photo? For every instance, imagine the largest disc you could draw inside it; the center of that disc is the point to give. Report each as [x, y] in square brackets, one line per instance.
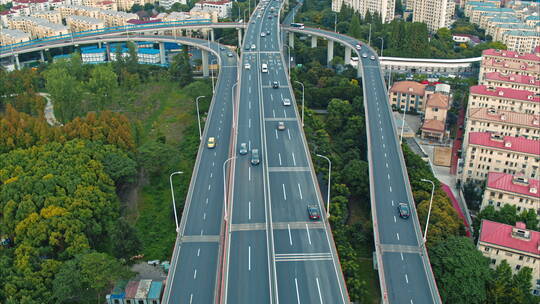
[291, 39]
[212, 35]
[17, 63]
[108, 51]
[204, 63]
[359, 69]
[347, 55]
[313, 41]
[99, 45]
[239, 38]
[42, 56]
[330, 53]
[162, 52]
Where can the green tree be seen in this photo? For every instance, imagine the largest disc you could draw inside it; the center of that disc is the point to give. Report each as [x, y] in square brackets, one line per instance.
[102, 84]
[136, 8]
[456, 264]
[65, 91]
[180, 69]
[355, 29]
[338, 111]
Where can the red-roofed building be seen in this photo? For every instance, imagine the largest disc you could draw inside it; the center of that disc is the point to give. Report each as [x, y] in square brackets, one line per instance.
[220, 7]
[509, 62]
[506, 123]
[482, 96]
[490, 152]
[435, 116]
[513, 81]
[519, 246]
[516, 190]
[33, 5]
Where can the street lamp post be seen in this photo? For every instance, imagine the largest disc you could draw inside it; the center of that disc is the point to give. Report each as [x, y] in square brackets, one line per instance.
[198, 115]
[382, 46]
[289, 64]
[173, 201]
[335, 22]
[329, 180]
[225, 188]
[369, 37]
[212, 75]
[403, 123]
[232, 101]
[429, 211]
[302, 100]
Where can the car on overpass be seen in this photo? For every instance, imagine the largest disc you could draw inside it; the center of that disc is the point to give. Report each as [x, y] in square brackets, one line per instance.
[286, 102]
[211, 144]
[313, 212]
[255, 158]
[404, 210]
[243, 149]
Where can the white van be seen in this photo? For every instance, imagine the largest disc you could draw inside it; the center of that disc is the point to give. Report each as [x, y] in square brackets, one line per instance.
[264, 68]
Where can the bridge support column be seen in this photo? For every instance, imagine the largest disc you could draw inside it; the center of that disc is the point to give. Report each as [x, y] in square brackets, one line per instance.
[359, 70]
[99, 45]
[291, 39]
[108, 51]
[239, 38]
[313, 41]
[330, 53]
[204, 63]
[212, 35]
[162, 52]
[347, 55]
[42, 56]
[17, 63]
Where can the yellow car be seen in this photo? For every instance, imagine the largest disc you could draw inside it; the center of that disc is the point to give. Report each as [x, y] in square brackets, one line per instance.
[211, 143]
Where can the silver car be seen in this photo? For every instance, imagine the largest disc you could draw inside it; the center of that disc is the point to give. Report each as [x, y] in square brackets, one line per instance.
[286, 102]
[243, 149]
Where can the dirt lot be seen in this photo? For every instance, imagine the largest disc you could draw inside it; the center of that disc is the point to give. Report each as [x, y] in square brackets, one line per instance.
[442, 156]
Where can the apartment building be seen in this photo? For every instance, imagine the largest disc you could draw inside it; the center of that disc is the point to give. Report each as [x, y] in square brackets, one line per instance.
[167, 4]
[521, 41]
[505, 123]
[434, 13]
[476, 12]
[515, 190]
[498, 30]
[93, 55]
[490, 152]
[510, 62]
[519, 246]
[78, 10]
[467, 8]
[37, 27]
[221, 7]
[532, 20]
[504, 99]
[385, 8]
[83, 23]
[115, 18]
[434, 124]
[33, 5]
[8, 36]
[486, 17]
[513, 81]
[408, 95]
[51, 16]
[126, 5]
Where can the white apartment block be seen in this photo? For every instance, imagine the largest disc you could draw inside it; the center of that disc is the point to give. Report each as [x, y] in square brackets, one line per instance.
[115, 18]
[167, 4]
[517, 245]
[126, 5]
[83, 23]
[489, 152]
[222, 8]
[482, 96]
[521, 41]
[385, 8]
[33, 5]
[513, 81]
[486, 17]
[37, 27]
[435, 14]
[510, 62]
[78, 10]
[515, 190]
[498, 30]
[505, 123]
[8, 36]
[51, 16]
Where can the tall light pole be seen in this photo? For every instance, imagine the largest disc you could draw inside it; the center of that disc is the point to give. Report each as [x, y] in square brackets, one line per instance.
[429, 211]
[212, 76]
[173, 201]
[302, 100]
[335, 22]
[329, 180]
[232, 101]
[198, 115]
[369, 37]
[289, 64]
[403, 123]
[382, 46]
[225, 188]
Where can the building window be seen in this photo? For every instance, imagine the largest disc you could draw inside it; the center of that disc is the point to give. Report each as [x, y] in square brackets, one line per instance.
[493, 261]
[518, 267]
[486, 249]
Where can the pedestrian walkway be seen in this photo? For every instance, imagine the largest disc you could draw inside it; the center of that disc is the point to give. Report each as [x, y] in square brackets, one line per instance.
[455, 203]
[457, 142]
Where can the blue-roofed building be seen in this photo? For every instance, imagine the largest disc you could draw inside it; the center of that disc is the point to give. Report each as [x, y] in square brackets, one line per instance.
[59, 57]
[478, 11]
[148, 56]
[474, 4]
[154, 294]
[145, 44]
[532, 20]
[500, 29]
[136, 292]
[170, 46]
[521, 41]
[93, 55]
[124, 50]
[118, 293]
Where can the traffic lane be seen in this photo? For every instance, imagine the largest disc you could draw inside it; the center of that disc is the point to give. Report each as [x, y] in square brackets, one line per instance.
[292, 241]
[405, 278]
[285, 148]
[275, 103]
[195, 274]
[291, 193]
[248, 204]
[311, 281]
[248, 280]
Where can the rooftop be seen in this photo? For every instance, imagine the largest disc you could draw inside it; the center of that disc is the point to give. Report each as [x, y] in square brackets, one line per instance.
[506, 93]
[438, 100]
[513, 78]
[510, 54]
[408, 87]
[522, 33]
[501, 235]
[509, 117]
[433, 125]
[509, 143]
[514, 184]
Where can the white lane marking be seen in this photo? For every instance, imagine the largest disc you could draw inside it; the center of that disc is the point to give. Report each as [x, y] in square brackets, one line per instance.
[401, 253]
[319, 289]
[211, 174]
[300, 190]
[279, 156]
[388, 176]
[274, 113]
[384, 154]
[384, 146]
[199, 250]
[381, 129]
[289, 133]
[395, 219]
[412, 302]
[386, 165]
[249, 258]
[213, 163]
[250, 105]
[249, 123]
[281, 93]
[204, 216]
[249, 210]
[284, 194]
[308, 236]
[249, 90]
[209, 186]
[195, 274]
[202, 231]
[215, 153]
[397, 234]
[272, 97]
[249, 77]
[249, 173]
[407, 278]
[207, 200]
[190, 298]
[284, 113]
[276, 134]
[290, 237]
[392, 202]
[390, 188]
[382, 136]
[297, 293]
[293, 158]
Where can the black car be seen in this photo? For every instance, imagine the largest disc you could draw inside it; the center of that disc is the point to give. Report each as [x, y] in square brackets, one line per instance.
[255, 158]
[404, 211]
[275, 84]
[313, 212]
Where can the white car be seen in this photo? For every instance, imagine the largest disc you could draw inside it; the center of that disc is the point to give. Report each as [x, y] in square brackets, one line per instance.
[358, 47]
[263, 34]
[286, 102]
[247, 66]
[364, 55]
[372, 57]
[253, 47]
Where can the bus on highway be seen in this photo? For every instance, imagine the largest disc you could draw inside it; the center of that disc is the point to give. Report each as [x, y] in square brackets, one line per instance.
[264, 68]
[298, 25]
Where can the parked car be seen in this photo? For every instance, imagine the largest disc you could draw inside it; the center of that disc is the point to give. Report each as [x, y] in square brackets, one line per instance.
[247, 66]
